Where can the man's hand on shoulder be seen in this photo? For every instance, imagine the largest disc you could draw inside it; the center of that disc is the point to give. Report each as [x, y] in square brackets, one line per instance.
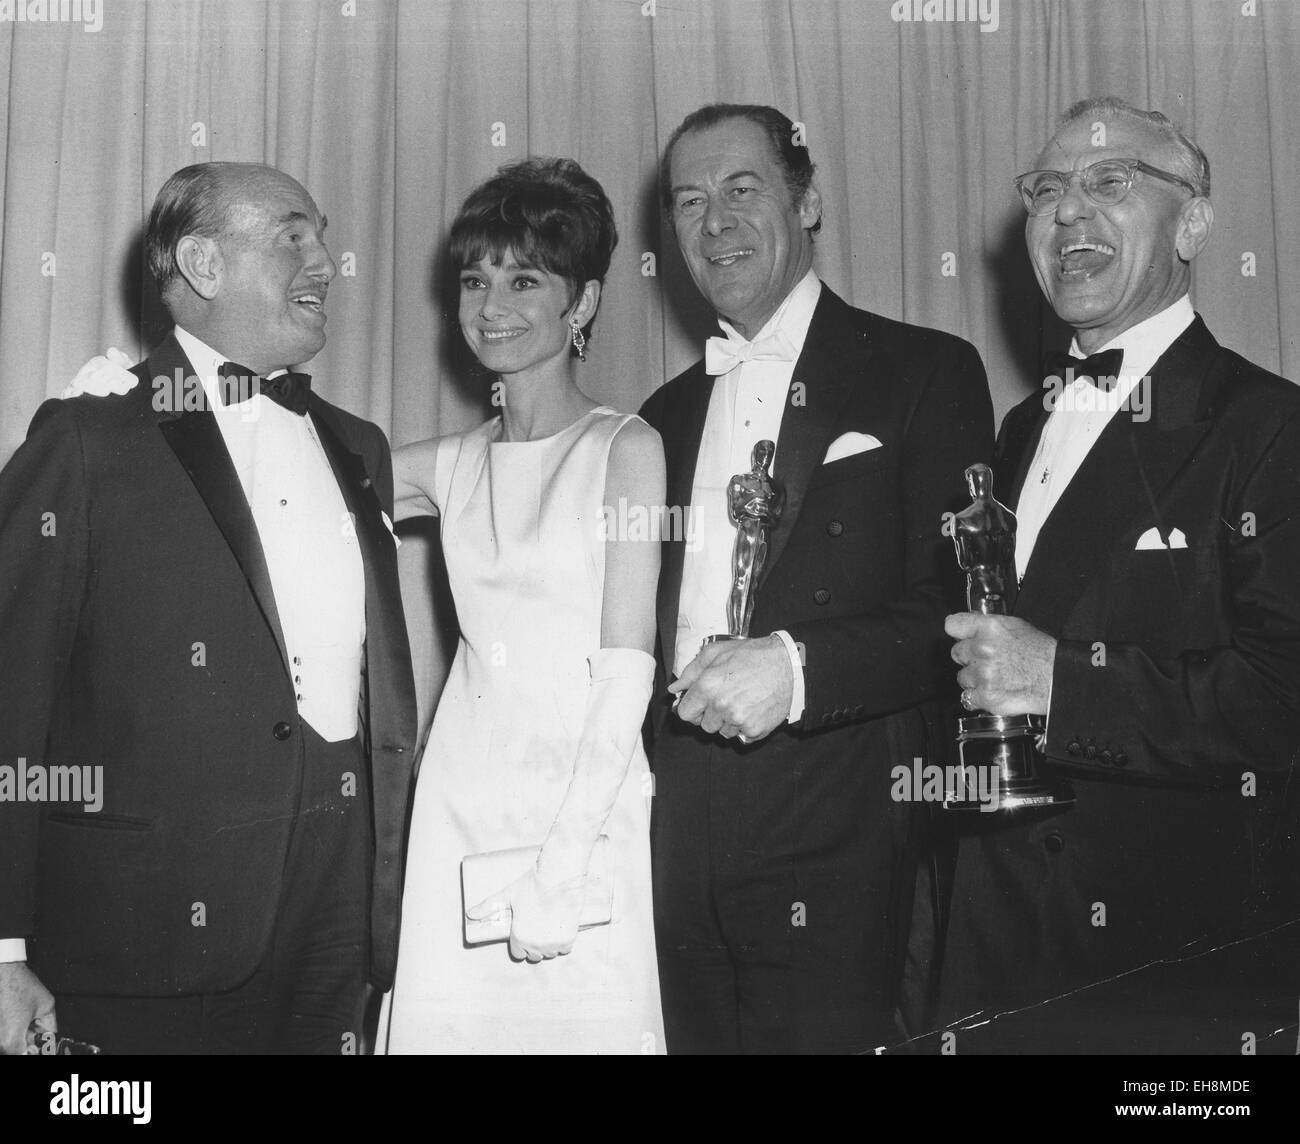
[1006, 663]
[23, 999]
[737, 687]
[102, 375]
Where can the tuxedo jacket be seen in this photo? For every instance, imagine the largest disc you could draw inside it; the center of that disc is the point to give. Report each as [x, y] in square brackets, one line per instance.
[1169, 572]
[141, 635]
[858, 571]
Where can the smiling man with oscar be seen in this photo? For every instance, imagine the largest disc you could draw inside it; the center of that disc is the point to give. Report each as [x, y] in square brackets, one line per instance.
[1157, 629]
[783, 869]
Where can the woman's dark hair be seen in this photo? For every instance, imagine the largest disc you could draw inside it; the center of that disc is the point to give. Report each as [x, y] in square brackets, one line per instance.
[548, 212]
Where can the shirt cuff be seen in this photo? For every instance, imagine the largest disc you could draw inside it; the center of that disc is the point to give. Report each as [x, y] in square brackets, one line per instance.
[1047, 716]
[796, 667]
[13, 949]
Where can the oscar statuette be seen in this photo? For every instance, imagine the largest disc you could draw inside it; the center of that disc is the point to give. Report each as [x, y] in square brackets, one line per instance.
[754, 504]
[985, 538]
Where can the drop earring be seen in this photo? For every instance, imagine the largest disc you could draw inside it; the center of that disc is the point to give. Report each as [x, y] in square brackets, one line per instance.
[579, 342]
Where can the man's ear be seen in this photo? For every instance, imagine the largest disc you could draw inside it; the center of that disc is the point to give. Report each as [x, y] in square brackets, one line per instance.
[588, 300]
[200, 263]
[810, 207]
[1194, 224]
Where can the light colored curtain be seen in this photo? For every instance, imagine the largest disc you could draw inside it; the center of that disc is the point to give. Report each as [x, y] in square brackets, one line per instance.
[389, 111]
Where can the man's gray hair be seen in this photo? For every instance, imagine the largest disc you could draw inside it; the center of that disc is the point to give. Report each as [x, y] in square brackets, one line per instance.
[1192, 163]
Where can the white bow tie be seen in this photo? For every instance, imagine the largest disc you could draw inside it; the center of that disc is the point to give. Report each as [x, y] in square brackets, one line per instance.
[722, 355]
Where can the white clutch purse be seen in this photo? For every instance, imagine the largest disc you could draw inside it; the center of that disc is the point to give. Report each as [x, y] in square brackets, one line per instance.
[482, 875]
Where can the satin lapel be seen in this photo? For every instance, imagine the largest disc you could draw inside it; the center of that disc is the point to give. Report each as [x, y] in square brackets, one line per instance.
[833, 361]
[1016, 450]
[197, 442]
[683, 430]
[387, 647]
[358, 492]
[1118, 486]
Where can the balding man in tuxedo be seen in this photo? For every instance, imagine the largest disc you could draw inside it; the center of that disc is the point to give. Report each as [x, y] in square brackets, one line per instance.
[198, 595]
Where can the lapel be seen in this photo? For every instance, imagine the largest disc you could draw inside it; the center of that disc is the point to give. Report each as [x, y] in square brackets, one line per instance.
[1016, 447]
[832, 363]
[357, 490]
[1118, 486]
[390, 685]
[196, 440]
[682, 431]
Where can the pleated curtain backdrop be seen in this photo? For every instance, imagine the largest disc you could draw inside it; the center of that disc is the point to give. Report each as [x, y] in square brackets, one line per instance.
[389, 111]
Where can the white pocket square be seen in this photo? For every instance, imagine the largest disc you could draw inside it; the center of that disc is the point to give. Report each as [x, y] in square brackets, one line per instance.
[1151, 539]
[849, 445]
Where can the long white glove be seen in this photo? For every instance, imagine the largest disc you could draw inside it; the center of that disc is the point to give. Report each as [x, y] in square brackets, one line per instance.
[546, 902]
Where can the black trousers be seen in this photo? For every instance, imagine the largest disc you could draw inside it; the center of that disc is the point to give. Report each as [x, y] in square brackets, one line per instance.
[307, 994]
[783, 880]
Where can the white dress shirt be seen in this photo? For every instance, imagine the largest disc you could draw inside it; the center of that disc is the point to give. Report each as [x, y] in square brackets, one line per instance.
[746, 407]
[310, 545]
[1079, 415]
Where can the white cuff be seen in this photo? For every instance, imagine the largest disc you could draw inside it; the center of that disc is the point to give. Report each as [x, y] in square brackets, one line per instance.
[13, 949]
[796, 667]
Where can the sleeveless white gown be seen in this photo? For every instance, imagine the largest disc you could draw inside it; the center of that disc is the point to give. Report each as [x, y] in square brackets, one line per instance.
[520, 525]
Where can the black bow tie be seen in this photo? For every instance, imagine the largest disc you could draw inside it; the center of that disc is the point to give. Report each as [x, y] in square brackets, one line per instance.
[288, 389]
[1100, 369]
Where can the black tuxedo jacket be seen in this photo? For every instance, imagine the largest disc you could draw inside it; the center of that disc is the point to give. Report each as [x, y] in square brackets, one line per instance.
[1175, 707]
[860, 573]
[858, 569]
[141, 635]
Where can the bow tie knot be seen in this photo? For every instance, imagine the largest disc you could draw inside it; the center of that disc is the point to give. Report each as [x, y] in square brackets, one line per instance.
[291, 390]
[722, 355]
[1101, 369]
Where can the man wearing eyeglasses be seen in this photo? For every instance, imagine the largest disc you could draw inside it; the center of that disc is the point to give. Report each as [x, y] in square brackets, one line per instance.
[1157, 484]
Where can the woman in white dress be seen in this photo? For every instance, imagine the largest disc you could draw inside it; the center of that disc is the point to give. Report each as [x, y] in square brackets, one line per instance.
[536, 739]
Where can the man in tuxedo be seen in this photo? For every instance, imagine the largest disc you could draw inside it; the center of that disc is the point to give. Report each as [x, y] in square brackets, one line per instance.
[199, 600]
[1157, 485]
[783, 868]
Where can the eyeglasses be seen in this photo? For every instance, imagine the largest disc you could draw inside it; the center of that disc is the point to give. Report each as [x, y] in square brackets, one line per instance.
[1106, 183]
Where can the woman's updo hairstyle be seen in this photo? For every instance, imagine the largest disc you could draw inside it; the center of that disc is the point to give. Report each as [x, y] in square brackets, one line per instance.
[549, 213]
